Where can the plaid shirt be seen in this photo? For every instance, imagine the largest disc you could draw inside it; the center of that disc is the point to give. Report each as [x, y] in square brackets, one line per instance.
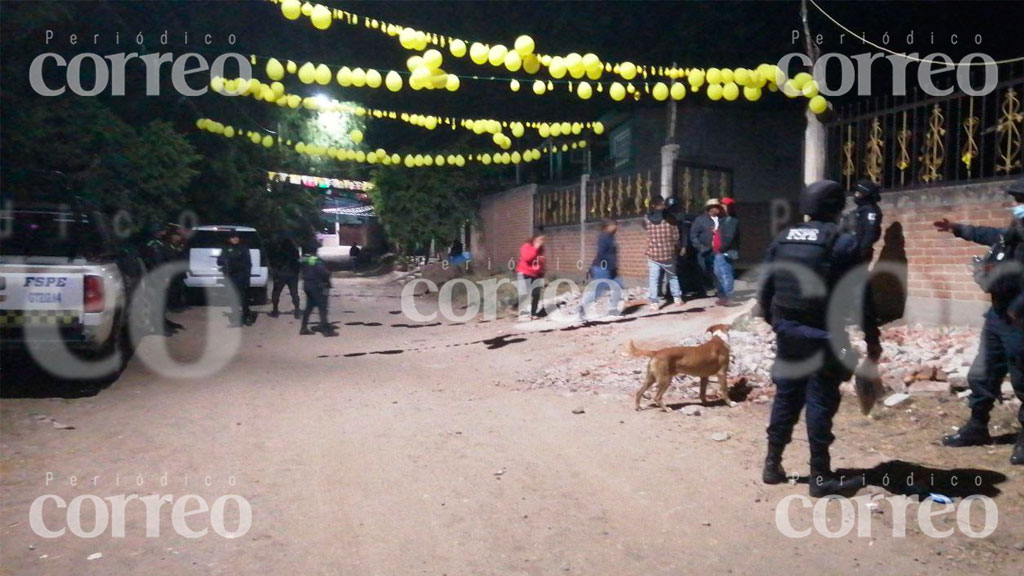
[662, 241]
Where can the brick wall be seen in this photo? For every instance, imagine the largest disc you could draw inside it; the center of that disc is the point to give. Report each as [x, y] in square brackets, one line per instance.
[505, 222]
[940, 287]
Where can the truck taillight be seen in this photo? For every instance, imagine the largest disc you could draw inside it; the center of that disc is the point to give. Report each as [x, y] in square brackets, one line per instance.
[94, 297]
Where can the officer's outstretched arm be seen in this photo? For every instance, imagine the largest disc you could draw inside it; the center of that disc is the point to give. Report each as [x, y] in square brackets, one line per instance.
[984, 235]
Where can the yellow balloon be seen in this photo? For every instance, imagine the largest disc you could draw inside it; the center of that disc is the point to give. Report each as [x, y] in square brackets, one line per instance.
[478, 53]
[485, 159]
[268, 141]
[307, 74]
[452, 83]
[373, 79]
[321, 17]
[407, 38]
[556, 130]
[752, 93]
[393, 81]
[277, 89]
[598, 128]
[696, 78]
[544, 130]
[371, 158]
[358, 77]
[810, 89]
[498, 139]
[727, 75]
[428, 160]
[496, 56]
[201, 123]
[617, 91]
[291, 67]
[356, 136]
[524, 45]
[217, 84]
[323, 75]
[660, 91]
[413, 63]
[715, 92]
[294, 101]
[457, 48]
[531, 64]
[818, 104]
[801, 80]
[275, 71]
[514, 85]
[539, 87]
[291, 9]
[714, 76]
[790, 89]
[557, 67]
[516, 158]
[396, 159]
[742, 76]
[678, 91]
[574, 63]
[433, 59]
[307, 9]
[584, 91]
[518, 130]
[730, 91]
[409, 161]
[513, 62]
[627, 70]
[439, 160]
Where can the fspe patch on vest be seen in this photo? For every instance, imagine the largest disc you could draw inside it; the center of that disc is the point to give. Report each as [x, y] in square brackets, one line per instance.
[803, 234]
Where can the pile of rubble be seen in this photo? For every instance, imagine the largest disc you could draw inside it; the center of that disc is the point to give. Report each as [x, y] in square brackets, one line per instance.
[915, 359]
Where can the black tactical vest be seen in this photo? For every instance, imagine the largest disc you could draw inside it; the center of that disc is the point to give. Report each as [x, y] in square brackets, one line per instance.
[808, 247]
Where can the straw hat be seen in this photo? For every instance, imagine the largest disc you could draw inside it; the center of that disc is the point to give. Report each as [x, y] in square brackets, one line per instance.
[712, 202]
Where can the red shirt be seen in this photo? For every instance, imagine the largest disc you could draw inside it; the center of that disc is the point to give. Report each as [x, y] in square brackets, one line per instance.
[531, 261]
[716, 239]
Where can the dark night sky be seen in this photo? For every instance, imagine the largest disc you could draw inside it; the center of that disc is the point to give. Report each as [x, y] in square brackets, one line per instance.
[690, 33]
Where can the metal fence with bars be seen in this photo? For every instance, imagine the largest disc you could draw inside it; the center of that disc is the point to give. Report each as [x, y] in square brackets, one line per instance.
[926, 141]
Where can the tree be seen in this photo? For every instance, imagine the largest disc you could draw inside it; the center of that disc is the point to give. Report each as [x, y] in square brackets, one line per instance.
[83, 150]
[418, 205]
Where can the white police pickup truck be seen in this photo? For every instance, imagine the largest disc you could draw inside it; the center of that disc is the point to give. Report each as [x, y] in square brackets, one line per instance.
[63, 282]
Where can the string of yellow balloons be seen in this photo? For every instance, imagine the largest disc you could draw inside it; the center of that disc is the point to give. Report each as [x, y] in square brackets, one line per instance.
[383, 157]
[580, 72]
[275, 93]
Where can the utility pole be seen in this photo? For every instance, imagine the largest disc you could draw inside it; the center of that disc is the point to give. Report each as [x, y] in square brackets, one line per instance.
[670, 151]
[814, 134]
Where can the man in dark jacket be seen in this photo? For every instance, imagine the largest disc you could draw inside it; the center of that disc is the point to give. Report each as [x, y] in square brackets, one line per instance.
[727, 251]
[285, 263]
[865, 220]
[316, 282]
[236, 264]
[604, 271]
[706, 236]
[1001, 275]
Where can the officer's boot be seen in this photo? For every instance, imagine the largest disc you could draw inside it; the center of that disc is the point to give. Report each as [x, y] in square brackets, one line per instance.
[1018, 450]
[773, 472]
[822, 481]
[973, 433]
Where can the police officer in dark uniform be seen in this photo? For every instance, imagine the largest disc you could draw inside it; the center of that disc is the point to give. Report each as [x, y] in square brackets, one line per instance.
[1001, 275]
[316, 282]
[865, 221]
[236, 263]
[812, 357]
[285, 263]
[155, 253]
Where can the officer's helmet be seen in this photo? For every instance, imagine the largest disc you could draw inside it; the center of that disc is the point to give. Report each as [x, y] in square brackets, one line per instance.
[823, 201]
[869, 191]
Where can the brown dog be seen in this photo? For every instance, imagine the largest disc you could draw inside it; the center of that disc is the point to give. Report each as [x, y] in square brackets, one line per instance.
[709, 359]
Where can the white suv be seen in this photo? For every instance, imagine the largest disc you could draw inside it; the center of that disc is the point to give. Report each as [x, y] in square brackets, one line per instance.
[205, 246]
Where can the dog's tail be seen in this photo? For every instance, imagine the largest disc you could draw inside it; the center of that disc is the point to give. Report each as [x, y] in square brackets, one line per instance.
[634, 351]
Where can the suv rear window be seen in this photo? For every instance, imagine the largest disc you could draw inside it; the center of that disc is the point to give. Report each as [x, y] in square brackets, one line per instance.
[55, 234]
[219, 239]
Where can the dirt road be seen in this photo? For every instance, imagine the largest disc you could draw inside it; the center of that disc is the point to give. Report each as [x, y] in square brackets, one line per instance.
[426, 456]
